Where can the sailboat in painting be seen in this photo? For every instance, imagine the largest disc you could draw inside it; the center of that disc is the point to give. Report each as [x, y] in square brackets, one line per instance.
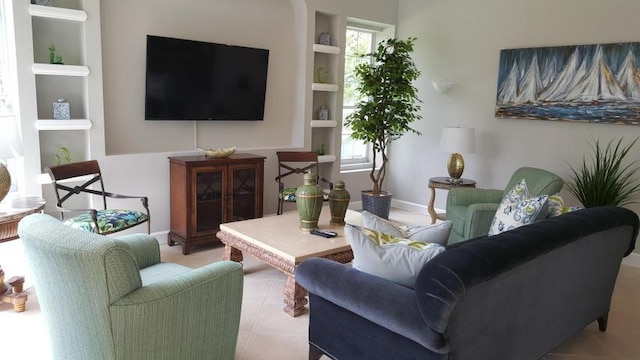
[589, 83]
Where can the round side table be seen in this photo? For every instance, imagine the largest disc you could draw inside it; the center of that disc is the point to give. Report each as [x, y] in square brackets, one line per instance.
[13, 210]
[445, 184]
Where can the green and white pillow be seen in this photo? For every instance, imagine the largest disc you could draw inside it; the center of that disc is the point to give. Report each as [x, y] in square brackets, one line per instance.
[557, 207]
[389, 257]
[436, 233]
[518, 209]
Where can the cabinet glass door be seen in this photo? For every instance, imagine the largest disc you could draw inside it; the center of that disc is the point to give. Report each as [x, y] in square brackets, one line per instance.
[209, 187]
[243, 201]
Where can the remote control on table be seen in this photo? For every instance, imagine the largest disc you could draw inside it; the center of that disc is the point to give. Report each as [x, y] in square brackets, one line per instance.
[324, 233]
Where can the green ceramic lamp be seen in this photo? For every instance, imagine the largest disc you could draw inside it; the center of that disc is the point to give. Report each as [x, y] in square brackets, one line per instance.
[457, 140]
[10, 147]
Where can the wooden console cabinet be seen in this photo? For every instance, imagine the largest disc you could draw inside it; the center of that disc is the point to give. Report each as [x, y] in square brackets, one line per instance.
[206, 192]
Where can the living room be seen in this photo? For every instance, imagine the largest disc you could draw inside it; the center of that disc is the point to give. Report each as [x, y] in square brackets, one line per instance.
[457, 41]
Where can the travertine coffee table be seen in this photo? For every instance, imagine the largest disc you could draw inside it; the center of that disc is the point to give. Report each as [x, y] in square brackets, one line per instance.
[279, 242]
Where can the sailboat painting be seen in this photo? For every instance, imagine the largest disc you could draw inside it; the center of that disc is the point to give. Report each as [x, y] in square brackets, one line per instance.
[583, 83]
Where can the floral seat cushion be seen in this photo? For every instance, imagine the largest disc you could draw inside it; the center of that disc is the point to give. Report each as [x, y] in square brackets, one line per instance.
[289, 194]
[109, 221]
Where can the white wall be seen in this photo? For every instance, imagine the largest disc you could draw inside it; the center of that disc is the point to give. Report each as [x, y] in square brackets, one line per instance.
[137, 150]
[461, 41]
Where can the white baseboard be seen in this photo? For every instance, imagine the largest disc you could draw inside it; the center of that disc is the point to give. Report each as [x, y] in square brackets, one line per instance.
[632, 260]
[399, 204]
[409, 206]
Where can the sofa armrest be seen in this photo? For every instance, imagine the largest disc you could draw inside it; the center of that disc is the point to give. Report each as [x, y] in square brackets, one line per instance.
[144, 248]
[382, 302]
[468, 196]
[192, 308]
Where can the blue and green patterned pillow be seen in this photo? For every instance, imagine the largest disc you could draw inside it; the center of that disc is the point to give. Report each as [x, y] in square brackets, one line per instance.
[518, 209]
[389, 257]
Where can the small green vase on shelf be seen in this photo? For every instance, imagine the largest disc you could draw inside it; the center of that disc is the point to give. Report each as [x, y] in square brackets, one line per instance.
[338, 203]
[309, 199]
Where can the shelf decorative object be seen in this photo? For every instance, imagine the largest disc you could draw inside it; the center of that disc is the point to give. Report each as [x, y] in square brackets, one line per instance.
[309, 199]
[322, 74]
[323, 113]
[339, 199]
[324, 39]
[61, 110]
[65, 153]
[53, 57]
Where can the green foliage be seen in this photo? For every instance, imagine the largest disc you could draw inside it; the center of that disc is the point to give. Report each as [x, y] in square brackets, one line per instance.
[606, 180]
[65, 153]
[389, 101]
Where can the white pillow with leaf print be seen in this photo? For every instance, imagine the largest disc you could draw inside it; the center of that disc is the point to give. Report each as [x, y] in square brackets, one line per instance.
[517, 209]
[389, 257]
[511, 216]
[436, 233]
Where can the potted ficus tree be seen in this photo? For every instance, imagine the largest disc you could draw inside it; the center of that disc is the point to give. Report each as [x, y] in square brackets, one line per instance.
[388, 105]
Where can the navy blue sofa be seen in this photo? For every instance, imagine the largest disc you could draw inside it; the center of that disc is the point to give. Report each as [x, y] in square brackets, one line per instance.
[512, 296]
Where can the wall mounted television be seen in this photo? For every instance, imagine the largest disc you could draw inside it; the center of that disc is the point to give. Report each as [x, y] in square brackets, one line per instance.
[194, 80]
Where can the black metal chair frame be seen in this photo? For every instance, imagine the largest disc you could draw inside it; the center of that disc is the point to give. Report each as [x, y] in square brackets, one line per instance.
[87, 168]
[296, 162]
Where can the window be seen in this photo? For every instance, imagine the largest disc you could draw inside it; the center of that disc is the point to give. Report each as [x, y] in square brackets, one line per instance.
[8, 88]
[6, 103]
[355, 153]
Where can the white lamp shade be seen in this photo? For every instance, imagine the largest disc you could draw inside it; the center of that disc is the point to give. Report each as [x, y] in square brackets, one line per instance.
[10, 142]
[458, 140]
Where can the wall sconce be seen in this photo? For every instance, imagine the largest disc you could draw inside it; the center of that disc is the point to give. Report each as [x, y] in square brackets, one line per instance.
[443, 86]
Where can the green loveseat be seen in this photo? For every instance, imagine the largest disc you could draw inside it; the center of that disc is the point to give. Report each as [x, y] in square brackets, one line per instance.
[471, 211]
[112, 298]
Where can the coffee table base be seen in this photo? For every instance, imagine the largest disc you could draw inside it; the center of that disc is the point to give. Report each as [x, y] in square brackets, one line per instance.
[295, 296]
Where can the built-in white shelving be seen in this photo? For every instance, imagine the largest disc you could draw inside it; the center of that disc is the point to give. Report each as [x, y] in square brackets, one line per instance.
[326, 158]
[324, 87]
[74, 124]
[326, 49]
[75, 32]
[45, 178]
[324, 123]
[58, 13]
[60, 70]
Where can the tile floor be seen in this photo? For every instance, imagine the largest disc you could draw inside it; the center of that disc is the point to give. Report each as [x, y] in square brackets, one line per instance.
[266, 332]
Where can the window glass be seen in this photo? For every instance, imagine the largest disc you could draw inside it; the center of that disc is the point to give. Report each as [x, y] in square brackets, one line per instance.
[358, 42]
[6, 105]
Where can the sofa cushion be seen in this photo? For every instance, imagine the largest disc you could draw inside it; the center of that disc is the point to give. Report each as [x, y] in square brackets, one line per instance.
[436, 233]
[389, 257]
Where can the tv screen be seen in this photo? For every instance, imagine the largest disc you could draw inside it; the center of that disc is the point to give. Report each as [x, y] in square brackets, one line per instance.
[194, 80]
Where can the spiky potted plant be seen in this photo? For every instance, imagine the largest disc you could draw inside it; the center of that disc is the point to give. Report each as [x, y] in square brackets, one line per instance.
[389, 105]
[608, 179]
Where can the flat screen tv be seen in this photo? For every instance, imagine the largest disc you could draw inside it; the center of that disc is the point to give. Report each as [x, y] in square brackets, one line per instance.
[194, 80]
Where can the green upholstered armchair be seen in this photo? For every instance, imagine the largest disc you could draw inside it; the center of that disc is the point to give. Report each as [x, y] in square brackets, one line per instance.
[472, 210]
[111, 297]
